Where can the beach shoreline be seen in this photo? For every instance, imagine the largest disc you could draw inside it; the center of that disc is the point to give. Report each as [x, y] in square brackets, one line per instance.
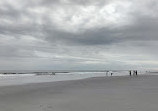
[20, 79]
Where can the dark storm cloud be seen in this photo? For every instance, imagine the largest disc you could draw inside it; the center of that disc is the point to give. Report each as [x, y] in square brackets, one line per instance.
[91, 37]
[143, 29]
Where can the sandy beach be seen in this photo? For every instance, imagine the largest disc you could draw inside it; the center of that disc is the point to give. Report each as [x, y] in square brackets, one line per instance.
[93, 94]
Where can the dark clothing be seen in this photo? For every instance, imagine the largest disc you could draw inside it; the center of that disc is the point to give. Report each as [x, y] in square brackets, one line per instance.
[136, 72]
[130, 73]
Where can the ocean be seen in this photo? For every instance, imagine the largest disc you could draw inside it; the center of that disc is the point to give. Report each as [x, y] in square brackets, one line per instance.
[8, 78]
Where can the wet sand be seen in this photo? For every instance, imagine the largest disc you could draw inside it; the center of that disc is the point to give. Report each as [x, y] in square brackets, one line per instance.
[93, 94]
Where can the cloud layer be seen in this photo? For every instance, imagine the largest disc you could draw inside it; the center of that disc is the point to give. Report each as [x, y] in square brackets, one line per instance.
[78, 34]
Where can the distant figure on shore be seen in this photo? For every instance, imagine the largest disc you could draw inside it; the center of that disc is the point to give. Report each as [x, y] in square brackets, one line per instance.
[136, 72]
[111, 73]
[130, 72]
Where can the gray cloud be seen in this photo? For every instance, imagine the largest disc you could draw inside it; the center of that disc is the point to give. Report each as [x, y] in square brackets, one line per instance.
[88, 34]
[90, 37]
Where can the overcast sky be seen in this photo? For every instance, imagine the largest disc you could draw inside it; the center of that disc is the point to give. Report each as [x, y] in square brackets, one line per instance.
[78, 34]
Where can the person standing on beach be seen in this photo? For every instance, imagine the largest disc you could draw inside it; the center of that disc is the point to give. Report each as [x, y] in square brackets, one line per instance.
[136, 72]
[130, 72]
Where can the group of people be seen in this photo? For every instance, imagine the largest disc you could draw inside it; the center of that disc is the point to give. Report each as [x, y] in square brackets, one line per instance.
[135, 72]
